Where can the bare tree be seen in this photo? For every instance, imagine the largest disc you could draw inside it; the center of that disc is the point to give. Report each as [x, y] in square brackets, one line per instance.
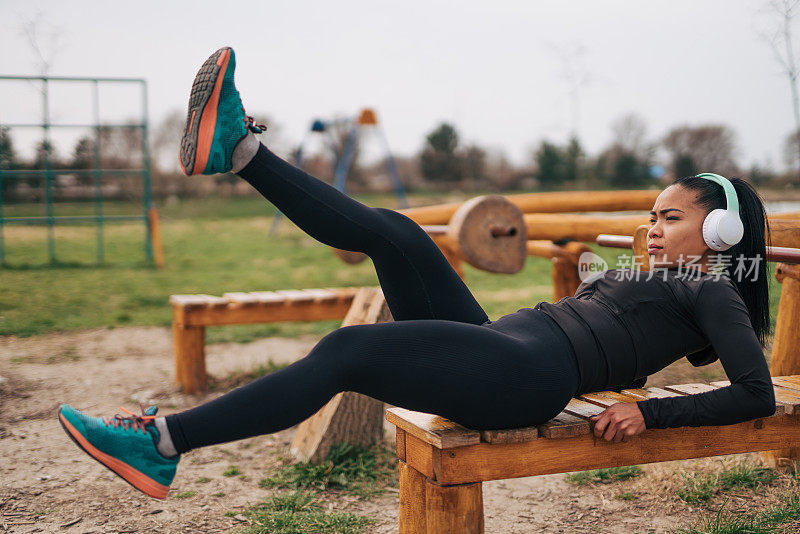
[629, 134]
[779, 36]
[709, 147]
[45, 43]
[576, 75]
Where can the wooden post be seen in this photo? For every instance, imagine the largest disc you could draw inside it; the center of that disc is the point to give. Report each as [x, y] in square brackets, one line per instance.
[457, 508]
[785, 358]
[640, 255]
[565, 269]
[349, 416]
[155, 238]
[190, 357]
[413, 518]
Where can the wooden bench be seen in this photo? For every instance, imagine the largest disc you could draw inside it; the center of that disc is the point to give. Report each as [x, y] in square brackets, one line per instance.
[442, 464]
[191, 314]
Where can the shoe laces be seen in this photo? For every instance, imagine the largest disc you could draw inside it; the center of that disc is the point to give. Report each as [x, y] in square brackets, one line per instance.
[251, 124]
[133, 420]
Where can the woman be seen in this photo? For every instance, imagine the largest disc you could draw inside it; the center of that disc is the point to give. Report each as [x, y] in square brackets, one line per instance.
[442, 354]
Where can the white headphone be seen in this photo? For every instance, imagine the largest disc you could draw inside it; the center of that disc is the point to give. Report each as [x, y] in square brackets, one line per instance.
[722, 229]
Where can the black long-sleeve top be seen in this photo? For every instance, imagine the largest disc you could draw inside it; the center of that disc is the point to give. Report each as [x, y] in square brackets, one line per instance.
[624, 327]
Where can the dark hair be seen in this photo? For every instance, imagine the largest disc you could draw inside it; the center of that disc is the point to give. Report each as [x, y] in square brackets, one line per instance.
[752, 249]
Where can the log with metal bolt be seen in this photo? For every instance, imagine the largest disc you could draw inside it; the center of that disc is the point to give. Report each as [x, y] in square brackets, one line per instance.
[487, 232]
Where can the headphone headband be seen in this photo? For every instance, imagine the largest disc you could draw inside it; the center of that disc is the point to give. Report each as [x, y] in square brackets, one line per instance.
[730, 192]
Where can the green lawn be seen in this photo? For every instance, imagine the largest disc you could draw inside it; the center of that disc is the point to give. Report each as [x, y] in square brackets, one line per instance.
[211, 246]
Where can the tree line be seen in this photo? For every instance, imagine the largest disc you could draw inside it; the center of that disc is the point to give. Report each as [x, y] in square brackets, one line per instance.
[445, 162]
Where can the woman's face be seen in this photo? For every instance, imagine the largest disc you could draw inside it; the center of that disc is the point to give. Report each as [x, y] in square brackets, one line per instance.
[676, 225]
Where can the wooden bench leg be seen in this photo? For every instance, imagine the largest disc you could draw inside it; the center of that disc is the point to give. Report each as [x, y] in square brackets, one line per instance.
[457, 508]
[412, 500]
[190, 357]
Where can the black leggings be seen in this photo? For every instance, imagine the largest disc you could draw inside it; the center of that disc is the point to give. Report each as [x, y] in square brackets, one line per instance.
[440, 355]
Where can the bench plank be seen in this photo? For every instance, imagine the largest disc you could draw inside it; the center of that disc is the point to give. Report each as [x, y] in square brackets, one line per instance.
[691, 389]
[788, 382]
[606, 398]
[564, 425]
[244, 299]
[650, 393]
[268, 297]
[510, 435]
[433, 429]
[295, 295]
[786, 400]
[322, 295]
[583, 409]
[213, 301]
[187, 300]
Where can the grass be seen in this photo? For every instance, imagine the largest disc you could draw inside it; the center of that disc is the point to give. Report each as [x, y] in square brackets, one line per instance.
[211, 246]
[299, 513]
[777, 518]
[354, 469]
[205, 252]
[185, 494]
[700, 488]
[231, 471]
[605, 475]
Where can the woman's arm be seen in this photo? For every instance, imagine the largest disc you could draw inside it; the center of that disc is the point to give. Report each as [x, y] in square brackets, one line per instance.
[722, 315]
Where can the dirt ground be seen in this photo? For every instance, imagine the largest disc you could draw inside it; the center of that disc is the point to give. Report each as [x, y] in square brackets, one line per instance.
[48, 485]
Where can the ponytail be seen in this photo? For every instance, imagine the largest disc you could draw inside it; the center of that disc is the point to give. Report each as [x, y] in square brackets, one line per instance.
[746, 262]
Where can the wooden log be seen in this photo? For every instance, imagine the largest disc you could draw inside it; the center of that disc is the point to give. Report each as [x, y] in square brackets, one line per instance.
[413, 511]
[559, 226]
[554, 202]
[775, 254]
[565, 273]
[349, 416]
[641, 257]
[454, 508]
[785, 359]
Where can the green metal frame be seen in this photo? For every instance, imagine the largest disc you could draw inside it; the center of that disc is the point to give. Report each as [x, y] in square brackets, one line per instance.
[49, 173]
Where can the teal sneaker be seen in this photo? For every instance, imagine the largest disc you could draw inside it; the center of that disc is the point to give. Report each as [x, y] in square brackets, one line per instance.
[216, 120]
[126, 445]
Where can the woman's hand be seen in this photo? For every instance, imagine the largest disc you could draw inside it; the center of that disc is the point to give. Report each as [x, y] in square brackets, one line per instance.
[619, 422]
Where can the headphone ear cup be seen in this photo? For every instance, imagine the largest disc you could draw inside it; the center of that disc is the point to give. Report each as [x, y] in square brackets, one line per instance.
[710, 230]
[731, 228]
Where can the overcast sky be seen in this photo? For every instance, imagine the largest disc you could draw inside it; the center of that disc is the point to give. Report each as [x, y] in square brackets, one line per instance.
[491, 68]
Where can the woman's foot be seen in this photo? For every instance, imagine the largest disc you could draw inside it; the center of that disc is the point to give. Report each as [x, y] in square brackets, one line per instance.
[216, 121]
[126, 445]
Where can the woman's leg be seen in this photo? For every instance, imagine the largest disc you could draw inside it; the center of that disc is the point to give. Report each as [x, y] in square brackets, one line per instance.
[475, 375]
[417, 280]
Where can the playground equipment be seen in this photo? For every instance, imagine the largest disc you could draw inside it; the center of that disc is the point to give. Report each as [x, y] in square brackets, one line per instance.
[366, 121]
[443, 464]
[149, 215]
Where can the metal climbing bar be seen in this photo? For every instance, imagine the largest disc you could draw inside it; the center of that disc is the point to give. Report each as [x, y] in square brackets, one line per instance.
[49, 174]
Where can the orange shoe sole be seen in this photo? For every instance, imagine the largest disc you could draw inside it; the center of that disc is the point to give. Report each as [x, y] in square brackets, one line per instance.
[135, 478]
[199, 134]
